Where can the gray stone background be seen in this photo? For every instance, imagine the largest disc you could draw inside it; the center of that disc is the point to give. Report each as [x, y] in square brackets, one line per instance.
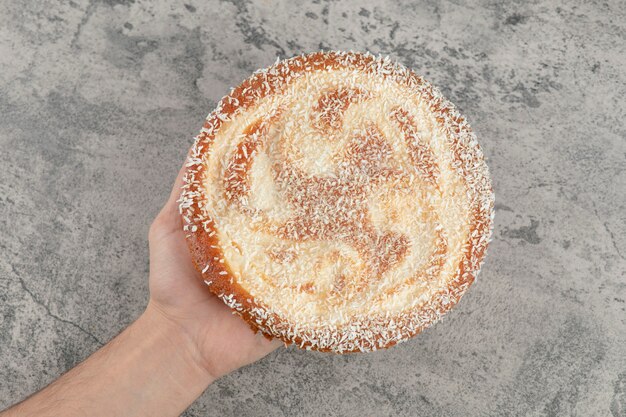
[99, 101]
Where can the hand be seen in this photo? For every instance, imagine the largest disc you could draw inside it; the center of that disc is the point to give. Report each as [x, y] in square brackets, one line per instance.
[221, 341]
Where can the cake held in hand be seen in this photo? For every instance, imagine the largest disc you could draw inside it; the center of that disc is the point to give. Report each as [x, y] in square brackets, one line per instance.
[338, 202]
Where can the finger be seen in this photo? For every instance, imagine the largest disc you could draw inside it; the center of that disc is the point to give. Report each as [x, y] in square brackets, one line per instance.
[178, 184]
[172, 201]
[169, 216]
[272, 344]
[265, 346]
[260, 347]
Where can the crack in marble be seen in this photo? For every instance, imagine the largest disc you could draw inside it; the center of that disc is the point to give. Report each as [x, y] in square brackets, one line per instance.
[606, 227]
[611, 235]
[50, 313]
[83, 21]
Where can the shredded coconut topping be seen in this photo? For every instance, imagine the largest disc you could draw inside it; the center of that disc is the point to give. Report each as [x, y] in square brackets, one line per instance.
[337, 201]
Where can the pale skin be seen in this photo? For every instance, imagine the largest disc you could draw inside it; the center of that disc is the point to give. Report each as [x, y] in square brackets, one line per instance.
[184, 340]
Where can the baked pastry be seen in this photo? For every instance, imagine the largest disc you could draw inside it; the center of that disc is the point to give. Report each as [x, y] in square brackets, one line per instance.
[337, 201]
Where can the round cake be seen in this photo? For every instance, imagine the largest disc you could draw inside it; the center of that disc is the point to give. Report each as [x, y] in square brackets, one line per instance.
[337, 201]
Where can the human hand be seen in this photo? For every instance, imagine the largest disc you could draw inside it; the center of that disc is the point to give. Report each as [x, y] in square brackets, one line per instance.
[220, 341]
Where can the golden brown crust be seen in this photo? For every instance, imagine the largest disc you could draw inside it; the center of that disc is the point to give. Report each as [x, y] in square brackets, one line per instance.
[360, 335]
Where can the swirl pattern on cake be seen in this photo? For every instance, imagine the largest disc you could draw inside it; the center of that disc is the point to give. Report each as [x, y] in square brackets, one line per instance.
[337, 201]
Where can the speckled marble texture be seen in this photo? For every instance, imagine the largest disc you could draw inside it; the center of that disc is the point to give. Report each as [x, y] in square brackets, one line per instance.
[99, 101]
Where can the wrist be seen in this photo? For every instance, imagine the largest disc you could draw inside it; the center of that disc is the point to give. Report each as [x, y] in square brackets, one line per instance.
[185, 359]
[149, 369]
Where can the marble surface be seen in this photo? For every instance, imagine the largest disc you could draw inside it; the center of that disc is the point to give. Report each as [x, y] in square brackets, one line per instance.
[99, 101]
